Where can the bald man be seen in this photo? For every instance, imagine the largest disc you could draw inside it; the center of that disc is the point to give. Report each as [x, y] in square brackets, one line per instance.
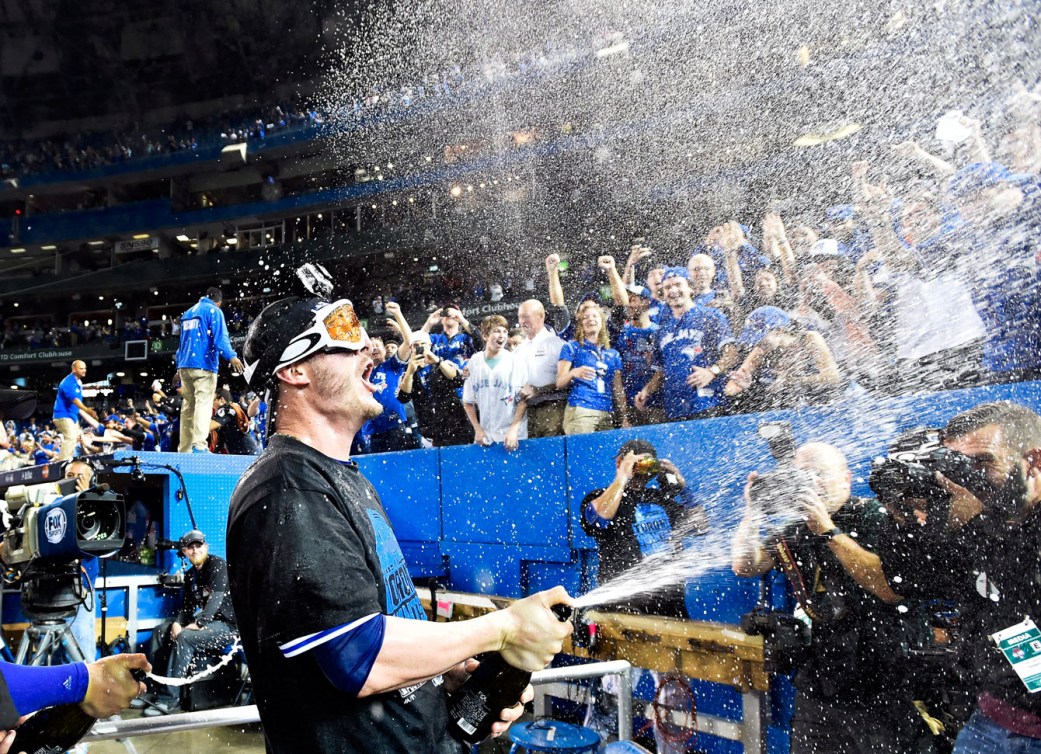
[540, 353]
[702, 272]
[851, 681]
[67, 407]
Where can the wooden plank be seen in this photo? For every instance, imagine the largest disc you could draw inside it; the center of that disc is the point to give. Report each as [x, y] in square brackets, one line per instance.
[717, 652]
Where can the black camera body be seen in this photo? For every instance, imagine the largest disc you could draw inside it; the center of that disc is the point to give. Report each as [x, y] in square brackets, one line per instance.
[909, 470]
[786, 639]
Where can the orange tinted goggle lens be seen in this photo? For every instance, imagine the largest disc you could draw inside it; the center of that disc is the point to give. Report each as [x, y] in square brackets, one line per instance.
[343, 325]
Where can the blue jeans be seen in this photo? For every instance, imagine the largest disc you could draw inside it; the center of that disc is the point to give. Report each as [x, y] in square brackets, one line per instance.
[981, 735]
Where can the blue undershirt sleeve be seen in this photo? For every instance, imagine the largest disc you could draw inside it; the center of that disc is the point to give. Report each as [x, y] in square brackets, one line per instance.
[33, 688]
[346, 653]
[593, 518]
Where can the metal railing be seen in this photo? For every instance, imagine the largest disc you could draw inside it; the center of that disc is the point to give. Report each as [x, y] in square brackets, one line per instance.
[106, 730]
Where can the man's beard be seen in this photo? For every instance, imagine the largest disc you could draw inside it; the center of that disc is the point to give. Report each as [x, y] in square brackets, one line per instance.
[1009, 500]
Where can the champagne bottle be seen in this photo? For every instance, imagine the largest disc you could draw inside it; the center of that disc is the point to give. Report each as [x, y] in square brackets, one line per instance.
[56, 729]
[494, 686]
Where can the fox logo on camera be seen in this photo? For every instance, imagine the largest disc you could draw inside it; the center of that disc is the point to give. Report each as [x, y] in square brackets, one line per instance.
[55, 525]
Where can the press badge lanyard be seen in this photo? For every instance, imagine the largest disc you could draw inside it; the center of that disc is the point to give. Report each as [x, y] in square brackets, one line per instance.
[1021, 645]
[601, 366]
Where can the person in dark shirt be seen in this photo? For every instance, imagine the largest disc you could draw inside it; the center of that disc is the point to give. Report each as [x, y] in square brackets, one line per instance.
[851, 693]
[206, 621]
[430, 382]
[229, 427]
[341, 654]
[997, 533]
[638, 515]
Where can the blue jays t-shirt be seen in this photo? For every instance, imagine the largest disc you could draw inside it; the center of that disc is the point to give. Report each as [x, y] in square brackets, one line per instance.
[459, 348]
[694, 339]
[69, 390]
[386, 378]
[636, 349]
[593, 394]
[310, 548]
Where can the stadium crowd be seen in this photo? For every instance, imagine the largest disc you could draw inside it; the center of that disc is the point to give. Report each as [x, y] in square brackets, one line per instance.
[926, 279]
[77, 152]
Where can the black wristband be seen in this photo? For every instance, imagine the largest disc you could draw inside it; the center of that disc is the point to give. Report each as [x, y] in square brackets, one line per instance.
[831, 533]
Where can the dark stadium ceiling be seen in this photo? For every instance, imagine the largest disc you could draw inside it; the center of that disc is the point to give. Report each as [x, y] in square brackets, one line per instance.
[63, 60]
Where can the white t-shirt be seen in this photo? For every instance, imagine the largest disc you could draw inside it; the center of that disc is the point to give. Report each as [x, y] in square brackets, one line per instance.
[540, 356]
[495, 393]
[934, 314]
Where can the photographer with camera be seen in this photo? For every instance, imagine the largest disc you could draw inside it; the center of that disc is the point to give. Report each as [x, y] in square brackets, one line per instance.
[995, 520]
[430, 383]
[851, 695]
[636, 516]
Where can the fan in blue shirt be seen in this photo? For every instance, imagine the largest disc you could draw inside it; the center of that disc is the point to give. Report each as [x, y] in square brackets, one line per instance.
[635, 344]
[1000, 251]
[693, 349]
[592, 371]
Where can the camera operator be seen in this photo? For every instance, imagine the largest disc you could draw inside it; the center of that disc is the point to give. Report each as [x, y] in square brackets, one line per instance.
[997, 528]
[84, 625]
[851, 695]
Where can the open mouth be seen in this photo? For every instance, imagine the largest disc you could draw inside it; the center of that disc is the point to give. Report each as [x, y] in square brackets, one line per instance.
[365, 377]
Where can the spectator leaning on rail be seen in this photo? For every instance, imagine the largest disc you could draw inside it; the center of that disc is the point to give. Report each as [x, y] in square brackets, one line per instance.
[67, 407]
[492, 393]
[390, 430]
[786, 366]
[204, 339]
[592, 372]
[540, 353]
[694, 347]
[998, 251]
[851, 693]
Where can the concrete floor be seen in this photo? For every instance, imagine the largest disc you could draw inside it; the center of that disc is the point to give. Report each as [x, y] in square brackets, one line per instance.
[236, 740]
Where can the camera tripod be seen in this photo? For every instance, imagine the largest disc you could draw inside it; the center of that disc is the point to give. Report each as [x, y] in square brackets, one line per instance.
[44, 641]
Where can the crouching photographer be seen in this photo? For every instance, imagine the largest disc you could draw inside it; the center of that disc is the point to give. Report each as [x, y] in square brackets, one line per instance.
[851, 693]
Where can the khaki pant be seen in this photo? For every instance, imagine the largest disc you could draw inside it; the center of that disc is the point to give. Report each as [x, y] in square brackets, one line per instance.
[546, 419]
[582, 421]
[69, 429]
[198, 388]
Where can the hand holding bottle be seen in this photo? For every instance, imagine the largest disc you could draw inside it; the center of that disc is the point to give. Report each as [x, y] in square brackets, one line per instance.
[111, 686]
[534, 634]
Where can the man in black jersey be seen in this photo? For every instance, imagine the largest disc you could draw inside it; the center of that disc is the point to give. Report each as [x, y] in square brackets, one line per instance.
[340, 652]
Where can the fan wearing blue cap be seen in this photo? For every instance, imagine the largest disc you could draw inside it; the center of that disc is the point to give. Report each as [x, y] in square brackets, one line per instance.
[786, 366]
[693, 348]
[1000, 249]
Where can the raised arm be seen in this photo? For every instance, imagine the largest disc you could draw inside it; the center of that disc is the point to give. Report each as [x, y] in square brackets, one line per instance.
[556, 290]
[618, 292]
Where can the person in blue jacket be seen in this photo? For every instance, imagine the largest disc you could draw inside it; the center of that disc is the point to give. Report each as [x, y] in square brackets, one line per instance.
[204, 339]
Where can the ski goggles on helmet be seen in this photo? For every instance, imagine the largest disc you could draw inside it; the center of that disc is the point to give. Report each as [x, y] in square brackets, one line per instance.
[331, 327]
